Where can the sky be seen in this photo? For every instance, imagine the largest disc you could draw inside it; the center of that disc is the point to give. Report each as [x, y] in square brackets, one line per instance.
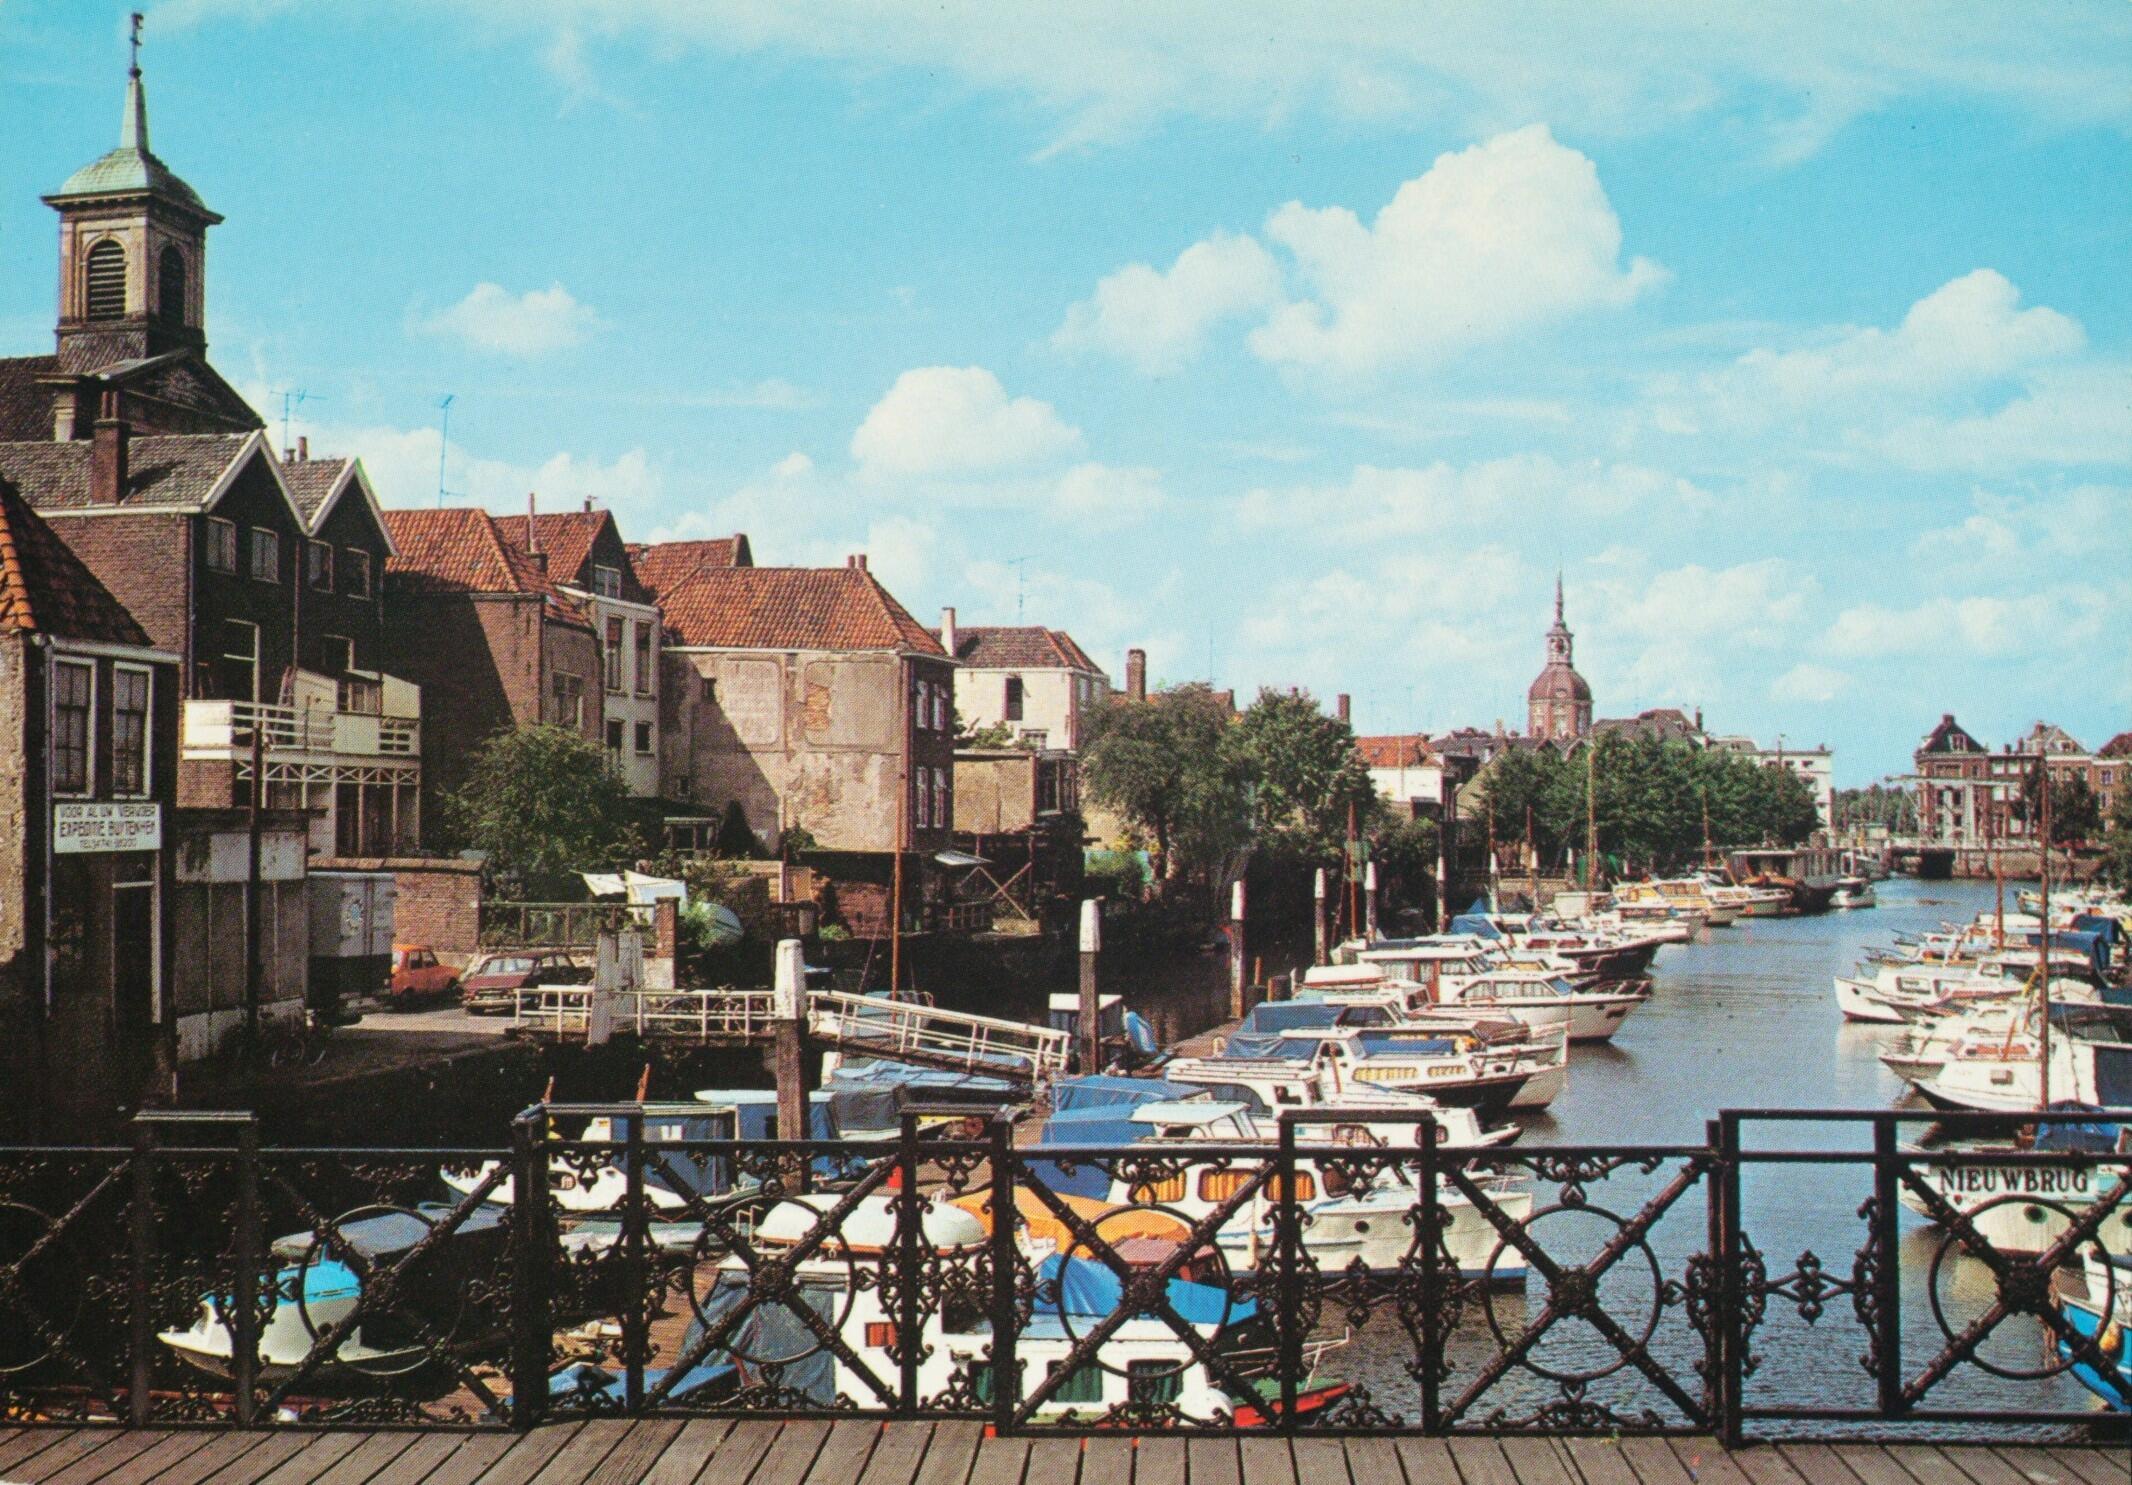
[1301, 346]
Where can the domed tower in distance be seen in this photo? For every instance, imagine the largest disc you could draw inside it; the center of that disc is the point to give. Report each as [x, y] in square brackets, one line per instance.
[1559, 702]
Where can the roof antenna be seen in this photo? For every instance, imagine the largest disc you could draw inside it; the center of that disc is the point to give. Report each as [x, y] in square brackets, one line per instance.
[291, 399]
[1021, 571]
[444, 441]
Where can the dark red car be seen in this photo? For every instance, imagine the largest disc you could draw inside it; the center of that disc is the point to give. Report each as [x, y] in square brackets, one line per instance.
[491, 984]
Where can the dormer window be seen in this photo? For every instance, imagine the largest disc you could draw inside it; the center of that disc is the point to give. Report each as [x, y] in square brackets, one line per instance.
[170, 287]
[607, 581]
[105, 276]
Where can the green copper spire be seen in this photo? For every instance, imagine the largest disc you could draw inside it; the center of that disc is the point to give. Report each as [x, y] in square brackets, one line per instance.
[132, 168]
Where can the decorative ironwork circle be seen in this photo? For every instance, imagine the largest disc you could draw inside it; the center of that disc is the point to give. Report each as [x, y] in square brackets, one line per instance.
[330, 1243]
[53, 1279]
[1211, 1249]
[2025, 1289]
[1578, 1293]
[785, 1283]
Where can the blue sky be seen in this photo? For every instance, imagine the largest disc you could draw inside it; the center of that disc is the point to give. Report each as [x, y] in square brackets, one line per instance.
[1302, 346]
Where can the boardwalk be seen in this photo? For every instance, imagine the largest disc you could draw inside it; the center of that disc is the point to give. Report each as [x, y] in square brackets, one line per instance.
[761, 1452]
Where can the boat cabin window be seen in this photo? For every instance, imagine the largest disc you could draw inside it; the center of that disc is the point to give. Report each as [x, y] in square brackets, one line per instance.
[1084, 1384]
[880, 1334]
[1220, 1185]
[1153, 1382]
[1161, 1192]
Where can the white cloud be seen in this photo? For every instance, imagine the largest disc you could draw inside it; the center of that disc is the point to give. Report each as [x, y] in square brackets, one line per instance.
[1534, 490]
[1100, 496]
[1811, 683]
[2070, 418]
[1498, 238]
[402, 466]
[794, 465]
[1982, 626]
[957, 420]
[1156, 320]
[492, 318]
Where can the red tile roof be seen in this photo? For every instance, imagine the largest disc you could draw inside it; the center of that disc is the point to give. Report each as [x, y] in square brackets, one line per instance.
[791, 608]
[46, 589]
[2119, 746]
[668, 564]
[1407, 750]
[459, 550]
[1019, 647]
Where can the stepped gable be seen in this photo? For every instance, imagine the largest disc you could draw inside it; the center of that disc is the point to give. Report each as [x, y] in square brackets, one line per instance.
[46, 589]
[791, 608]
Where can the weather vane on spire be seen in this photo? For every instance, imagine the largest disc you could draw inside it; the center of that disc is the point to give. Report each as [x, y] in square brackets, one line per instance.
[136, 44]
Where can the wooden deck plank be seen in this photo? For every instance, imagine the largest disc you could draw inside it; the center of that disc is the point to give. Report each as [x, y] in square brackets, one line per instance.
[1159, 1461]
[1266, 1461]
[702, 1440]
[1766, 1465]
[1054, 1461]
[1706, 1461]
[1107, 1461]
[221, 1449]
[1655, 1462]
[321, 1451]
[1213, 1461]
[1819, 1464]
[896, 1454]
[1374, 1461]
[114, 1454]
[1873, 1465]
[1479, 1461]
[639, 1449]
[55, 1447]
[1001, 1462]
[1427, 1461]
[1927, 1465]
[1320, 1461]
[846, 1451]
[1980, 1464]
[261, 1461]
[147, 1466]
[1537, 1461]
[951, 1452]
[2034, 1466]
[1599, 1462]
[791, 1453]
[584, 1453]
[2092, 1464]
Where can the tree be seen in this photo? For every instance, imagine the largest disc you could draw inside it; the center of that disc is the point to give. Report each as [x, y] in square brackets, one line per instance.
[2117, 845]
[542, 803]
[1162, 765]
[1304, 774]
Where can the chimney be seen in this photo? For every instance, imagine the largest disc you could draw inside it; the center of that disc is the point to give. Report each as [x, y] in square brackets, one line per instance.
[1340, 708]
[588, 505]
[1136, 674]
[107, 454]
[947, 631]
[532, 541]
[857, 561]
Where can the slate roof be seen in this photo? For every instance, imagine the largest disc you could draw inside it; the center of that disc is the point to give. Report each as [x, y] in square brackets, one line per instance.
[170, 471]
[459, 550]
[2119, 746]
[1403, 750]
[310, 481]
[668, 564]
[1666, 723]
[26, 406]
[1949, 737]
[1024, 647]
[46, 589]
[791, 608]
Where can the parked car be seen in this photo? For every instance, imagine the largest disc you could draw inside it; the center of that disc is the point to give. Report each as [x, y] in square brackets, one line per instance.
[416, 974]
[490, 986]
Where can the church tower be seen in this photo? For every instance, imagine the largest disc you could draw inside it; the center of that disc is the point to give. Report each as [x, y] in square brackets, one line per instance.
[1558, 704]
[132, 251]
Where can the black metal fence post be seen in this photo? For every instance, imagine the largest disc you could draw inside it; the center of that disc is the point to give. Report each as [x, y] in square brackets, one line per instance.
[1432, 1280]
[140, 1275]
[244, 1291]
[910, 1264]
[1717, 1338]
[635, 1317]
[532, 1254]
[1732, 1347]
[1288, 1303]
[1006, 1371]
[1887, 1276]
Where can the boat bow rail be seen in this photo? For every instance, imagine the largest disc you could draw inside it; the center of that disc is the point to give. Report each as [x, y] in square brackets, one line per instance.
[945, 1270]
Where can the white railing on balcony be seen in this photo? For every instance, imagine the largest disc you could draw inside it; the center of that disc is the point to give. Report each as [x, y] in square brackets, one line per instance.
[223, 729]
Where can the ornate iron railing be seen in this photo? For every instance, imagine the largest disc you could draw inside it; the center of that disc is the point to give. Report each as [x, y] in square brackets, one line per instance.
[1351, 1274]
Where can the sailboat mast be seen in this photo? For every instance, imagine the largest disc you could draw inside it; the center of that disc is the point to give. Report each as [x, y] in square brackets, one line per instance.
[2043, 938]
[1591, 807]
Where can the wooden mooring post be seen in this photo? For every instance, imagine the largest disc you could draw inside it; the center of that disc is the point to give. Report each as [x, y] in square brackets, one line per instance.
[1091, 1012]
[1369, 901]
[1319, 954]
[1237, 1008]
[788, 1052]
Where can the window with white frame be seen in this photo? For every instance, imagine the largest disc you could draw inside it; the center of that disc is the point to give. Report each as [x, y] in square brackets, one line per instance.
[132, 695]
[607, 581]
[73, 708]
[645, 668]
[614, 653]
[643, 739]
[921, 801]
[221, 545]
[355, 571]
[266, 555]
[318, 565]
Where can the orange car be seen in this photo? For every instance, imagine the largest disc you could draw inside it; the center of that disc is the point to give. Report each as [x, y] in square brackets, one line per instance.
[416, 974]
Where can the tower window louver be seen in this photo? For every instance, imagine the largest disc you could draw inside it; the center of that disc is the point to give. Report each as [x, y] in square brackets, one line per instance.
[107, 281]
[170, 287]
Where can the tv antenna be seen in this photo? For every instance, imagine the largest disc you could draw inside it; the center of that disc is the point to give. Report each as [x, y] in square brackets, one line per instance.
[444, 440]
[291, 399]
[1021, 572]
